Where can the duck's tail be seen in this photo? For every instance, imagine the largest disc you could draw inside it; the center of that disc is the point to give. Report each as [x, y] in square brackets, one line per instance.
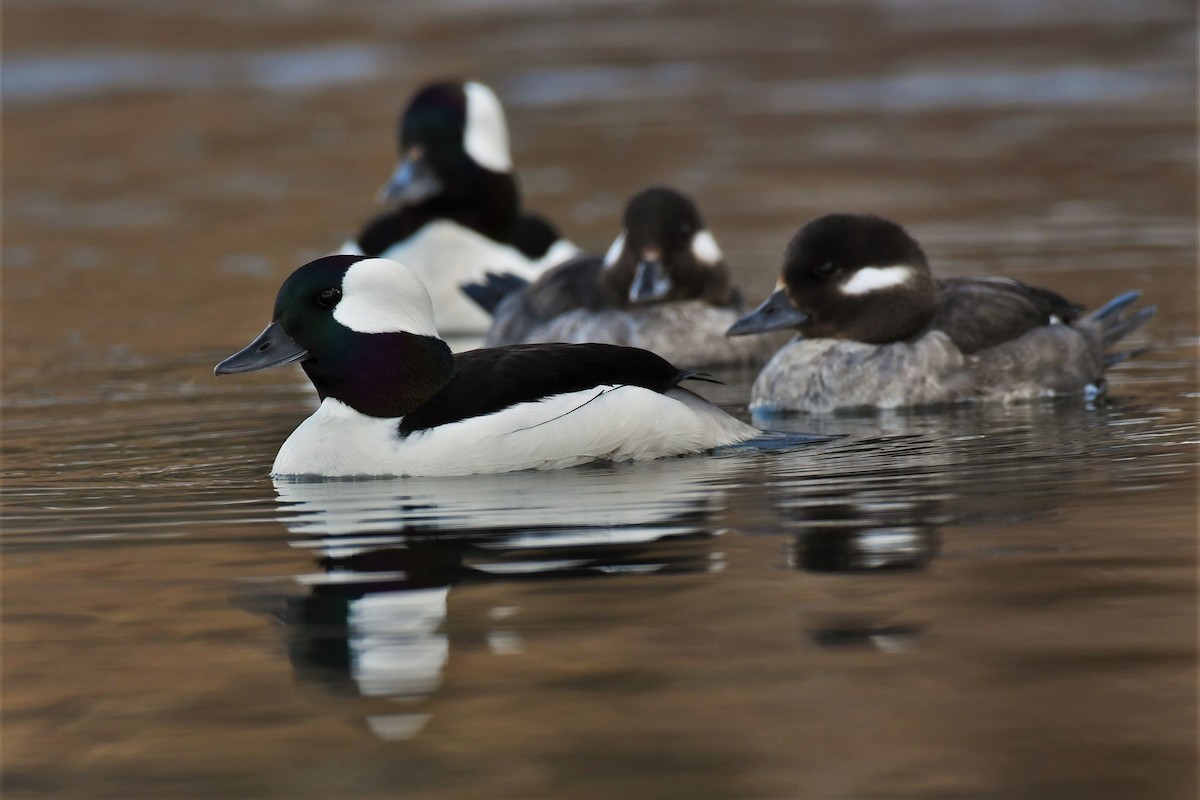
[1114, 324]
[494, 287]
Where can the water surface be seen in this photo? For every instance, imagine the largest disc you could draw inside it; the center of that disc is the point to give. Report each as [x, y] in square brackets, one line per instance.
[982, 602]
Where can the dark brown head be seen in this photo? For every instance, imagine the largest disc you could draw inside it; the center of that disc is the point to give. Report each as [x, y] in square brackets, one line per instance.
[665, 253]
[853, 277]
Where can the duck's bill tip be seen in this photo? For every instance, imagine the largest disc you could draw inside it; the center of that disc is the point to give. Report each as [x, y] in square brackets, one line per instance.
[272, 348]
[776, 313]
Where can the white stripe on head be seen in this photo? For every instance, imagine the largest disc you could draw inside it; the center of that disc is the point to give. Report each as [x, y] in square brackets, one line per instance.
[705, 249]
[870, 279]
[383, 296]
[614, 250]
[486, 137]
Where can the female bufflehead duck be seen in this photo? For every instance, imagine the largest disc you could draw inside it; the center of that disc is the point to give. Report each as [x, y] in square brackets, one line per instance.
[878, 330]
[395, 401]
[663, 287]
[460, 209]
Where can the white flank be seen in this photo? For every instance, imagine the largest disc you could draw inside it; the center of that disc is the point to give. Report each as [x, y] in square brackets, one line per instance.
[444, 255]
[705, 249]
[614, 250]
[870, 279]
[382, 296]
[486, 138]
[618, 423]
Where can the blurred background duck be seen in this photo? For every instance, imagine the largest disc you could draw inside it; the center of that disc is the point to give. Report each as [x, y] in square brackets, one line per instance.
[663, 286]
[459, 209]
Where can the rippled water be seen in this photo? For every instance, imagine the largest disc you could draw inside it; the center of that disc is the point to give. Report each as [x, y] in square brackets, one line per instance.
[981, 602]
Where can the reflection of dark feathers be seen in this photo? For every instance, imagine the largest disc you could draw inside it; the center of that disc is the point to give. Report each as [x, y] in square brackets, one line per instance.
[492, 379]
[977, 313]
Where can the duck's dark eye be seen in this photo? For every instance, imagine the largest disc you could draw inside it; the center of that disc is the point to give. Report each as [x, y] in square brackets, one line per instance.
[825, 270]
[328, 298]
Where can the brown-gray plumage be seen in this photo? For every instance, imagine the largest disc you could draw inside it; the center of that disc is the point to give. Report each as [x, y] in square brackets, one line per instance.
[878, 330]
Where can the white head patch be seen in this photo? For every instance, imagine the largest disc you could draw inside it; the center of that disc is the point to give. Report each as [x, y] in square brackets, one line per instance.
[705, 249]
[486, 137]
[383, 296]
[870, 279]
[614, 250]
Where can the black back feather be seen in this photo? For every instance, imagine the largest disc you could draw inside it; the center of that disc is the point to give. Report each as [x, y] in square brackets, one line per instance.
[492, 379]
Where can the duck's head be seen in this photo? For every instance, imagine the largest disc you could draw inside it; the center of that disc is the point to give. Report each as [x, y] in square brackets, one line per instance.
[448, 131]
[849, 276]
[362, 329]
[665, 252]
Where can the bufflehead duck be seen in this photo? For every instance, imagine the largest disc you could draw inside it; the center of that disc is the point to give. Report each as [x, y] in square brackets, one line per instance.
[663, 286]
[395, 401]
[459, 205]
[878, 330]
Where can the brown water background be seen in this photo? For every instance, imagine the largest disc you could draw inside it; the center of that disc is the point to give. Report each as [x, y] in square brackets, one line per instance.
[986, 604]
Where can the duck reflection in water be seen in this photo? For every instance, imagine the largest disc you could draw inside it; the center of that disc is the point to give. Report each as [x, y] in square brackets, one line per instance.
[374, 619]
[878, 500]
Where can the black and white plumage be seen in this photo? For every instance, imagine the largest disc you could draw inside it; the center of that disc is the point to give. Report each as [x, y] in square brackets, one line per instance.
[878, 330]
[396, 401]
[459, 208]
[663, 286]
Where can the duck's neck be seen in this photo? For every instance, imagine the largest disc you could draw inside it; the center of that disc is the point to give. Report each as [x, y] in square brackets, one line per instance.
[488, 202]
[383, 374]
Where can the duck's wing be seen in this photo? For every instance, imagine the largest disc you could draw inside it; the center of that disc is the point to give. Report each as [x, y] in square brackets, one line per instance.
[977, 313]
[495, 378]
[572, 285]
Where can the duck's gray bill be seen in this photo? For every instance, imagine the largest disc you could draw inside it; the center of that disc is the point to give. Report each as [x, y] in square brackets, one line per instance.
[775, 314]
[650, 283]
[272, 348]
[414, 181]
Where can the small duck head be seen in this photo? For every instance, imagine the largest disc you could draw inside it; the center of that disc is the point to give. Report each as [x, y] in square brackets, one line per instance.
[448, 130]
[665, 252]
[848, 276]
[362, 329]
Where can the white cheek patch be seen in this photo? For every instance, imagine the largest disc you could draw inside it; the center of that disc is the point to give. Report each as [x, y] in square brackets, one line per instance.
[383, 296]
[614, 250]
[705, 249]
[486, 137]
[871, 279]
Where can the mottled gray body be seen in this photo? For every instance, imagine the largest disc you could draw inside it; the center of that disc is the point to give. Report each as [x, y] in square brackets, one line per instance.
[827, 375]
[689, 334]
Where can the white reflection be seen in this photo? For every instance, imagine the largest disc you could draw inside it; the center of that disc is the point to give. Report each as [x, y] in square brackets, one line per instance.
[390, 551]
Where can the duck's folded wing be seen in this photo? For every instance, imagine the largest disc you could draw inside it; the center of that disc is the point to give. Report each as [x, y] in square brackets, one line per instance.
[977, 313]
[492, 379]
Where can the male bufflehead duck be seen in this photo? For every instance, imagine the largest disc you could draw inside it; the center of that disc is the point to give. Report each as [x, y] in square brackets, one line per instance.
[395, 401]
[663, 287]
[460, 209]
[878, 330]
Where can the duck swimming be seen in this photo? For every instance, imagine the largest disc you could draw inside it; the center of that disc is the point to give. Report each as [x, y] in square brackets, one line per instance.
[663, 286]
[877, 330]
[395, 400]
[459, 209]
